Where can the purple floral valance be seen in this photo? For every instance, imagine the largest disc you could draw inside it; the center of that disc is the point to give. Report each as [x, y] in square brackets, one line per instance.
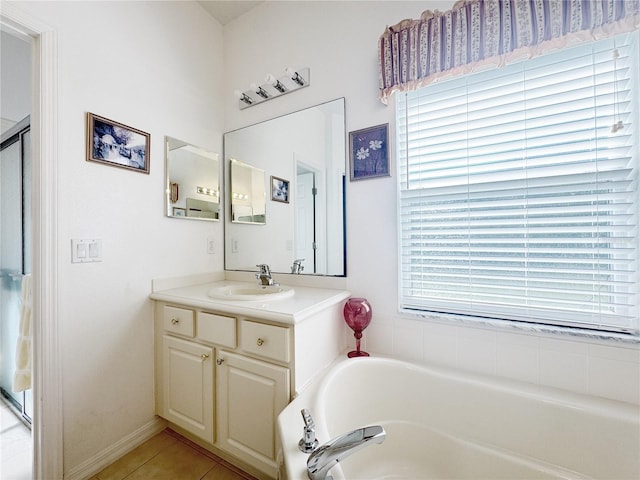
[479, 33]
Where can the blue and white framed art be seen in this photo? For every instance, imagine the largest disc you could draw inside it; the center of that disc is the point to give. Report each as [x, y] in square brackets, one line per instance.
[369, 152]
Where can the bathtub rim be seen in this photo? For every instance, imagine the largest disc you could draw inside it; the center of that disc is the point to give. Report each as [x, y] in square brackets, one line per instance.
[294, 461]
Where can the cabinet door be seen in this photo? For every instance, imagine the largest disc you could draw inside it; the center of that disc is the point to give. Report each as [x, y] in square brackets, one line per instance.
[188, 386]
[250, 395]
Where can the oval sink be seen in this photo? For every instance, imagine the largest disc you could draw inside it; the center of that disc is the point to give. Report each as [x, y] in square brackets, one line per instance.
[250, 292]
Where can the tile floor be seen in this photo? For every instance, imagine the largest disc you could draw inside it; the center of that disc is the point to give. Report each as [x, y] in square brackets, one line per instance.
[15, 446]
[170, 456]
[164, 456]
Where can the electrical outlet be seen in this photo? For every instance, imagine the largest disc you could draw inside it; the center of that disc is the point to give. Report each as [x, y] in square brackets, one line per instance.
[211, 245]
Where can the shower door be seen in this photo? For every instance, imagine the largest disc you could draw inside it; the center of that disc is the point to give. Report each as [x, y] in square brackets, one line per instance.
[15, 248]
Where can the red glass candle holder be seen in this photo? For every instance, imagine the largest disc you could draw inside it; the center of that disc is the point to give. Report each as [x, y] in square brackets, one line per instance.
[357, 314]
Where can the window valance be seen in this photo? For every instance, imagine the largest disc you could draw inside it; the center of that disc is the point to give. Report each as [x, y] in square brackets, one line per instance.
[480, 33]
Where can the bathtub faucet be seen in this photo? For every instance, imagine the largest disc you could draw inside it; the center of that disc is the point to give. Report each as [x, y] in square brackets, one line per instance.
[308, 443]
[320, 462]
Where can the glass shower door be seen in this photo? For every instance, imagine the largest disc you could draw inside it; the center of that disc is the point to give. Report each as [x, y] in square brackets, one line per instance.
[15, 245]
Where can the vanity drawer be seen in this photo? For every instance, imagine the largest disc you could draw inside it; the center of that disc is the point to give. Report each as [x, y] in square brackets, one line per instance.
[218, 329]
[179, 320]
[267, 341]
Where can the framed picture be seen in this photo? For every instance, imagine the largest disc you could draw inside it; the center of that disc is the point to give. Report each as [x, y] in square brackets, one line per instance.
[174, 190]
[279, 190]
[115, 144]
[179, 212]
[369, 152]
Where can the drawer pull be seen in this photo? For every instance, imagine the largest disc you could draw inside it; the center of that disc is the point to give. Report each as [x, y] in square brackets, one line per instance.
[175, 321]
[220, 361]
[204, 356]
[259, 342]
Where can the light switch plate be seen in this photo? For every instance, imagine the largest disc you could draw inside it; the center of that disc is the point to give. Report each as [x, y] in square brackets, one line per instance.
[86, 250]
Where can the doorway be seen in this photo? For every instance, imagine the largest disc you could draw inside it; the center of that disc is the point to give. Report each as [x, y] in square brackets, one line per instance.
[310, 217]
[47, 427]
[16, 394]
[15, 266]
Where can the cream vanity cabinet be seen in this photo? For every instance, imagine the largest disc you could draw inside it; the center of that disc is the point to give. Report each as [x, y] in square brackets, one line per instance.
[253, 387]
[225, 370]
[224, 379]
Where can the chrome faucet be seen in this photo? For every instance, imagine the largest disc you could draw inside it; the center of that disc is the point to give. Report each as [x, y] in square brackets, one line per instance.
[308, 443]
[297, 267]
[264, 275]
[322, 459]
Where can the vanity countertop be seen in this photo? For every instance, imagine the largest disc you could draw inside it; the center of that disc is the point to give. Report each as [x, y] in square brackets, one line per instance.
[305, 302]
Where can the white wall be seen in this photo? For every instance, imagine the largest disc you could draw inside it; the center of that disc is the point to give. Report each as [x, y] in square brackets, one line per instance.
[161, 67]
[338, 41]
[155, 66]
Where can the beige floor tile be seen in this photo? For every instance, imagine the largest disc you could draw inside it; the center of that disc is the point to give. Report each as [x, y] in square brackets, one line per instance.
[138, 457]
[177, 462]
[221, 472]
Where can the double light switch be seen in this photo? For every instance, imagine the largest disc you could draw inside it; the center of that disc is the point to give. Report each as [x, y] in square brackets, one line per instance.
[86, 250]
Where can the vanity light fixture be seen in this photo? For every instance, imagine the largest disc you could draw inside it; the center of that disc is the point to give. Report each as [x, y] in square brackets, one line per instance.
[207, 191]
[243, 97]
[274, 87]
[275, 83]
[295, 76]
[259, 90]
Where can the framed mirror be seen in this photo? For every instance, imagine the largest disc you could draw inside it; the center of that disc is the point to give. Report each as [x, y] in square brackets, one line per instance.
[193, 181]
[301, 158]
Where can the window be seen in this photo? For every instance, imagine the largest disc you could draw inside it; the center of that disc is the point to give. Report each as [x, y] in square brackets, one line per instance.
[519, 191]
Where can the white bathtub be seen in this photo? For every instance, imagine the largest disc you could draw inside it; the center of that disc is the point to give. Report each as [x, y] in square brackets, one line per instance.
[444, 424]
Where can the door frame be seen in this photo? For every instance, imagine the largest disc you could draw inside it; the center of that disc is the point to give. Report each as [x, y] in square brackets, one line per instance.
[47, 379]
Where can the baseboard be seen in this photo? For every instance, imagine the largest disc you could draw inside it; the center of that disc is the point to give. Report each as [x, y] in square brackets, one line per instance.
[112, 453]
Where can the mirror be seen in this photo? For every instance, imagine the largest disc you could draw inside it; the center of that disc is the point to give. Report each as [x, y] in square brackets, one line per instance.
[248, 194]
[193, 186]
[302, 159]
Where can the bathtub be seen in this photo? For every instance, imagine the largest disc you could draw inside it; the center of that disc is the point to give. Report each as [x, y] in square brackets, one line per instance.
[443, 424]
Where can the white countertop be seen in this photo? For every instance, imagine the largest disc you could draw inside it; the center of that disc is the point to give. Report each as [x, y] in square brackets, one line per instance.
[305, 302]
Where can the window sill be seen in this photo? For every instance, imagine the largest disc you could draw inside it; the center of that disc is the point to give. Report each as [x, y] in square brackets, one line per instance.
[523, 327]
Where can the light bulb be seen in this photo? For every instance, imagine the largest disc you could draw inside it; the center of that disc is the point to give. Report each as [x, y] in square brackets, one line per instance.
[295, 76]
[275, 83]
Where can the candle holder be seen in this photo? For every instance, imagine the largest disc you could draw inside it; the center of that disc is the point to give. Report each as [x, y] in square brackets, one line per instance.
[357, 314]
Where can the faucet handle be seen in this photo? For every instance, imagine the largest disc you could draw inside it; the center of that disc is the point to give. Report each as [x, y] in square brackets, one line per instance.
[308, 419]
[297, 266]
[308, 443]
[264, 268]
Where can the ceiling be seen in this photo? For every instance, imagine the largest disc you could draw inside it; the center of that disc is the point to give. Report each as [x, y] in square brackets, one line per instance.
[226, 10]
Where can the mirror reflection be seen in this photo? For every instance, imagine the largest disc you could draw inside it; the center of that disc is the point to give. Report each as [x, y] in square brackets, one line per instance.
[248, 193]
[300, 159]
[193, 186]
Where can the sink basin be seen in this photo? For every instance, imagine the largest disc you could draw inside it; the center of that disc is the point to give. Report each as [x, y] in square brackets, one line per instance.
[250, 292]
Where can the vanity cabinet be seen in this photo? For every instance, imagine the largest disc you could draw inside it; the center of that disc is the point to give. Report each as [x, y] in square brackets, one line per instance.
[188, 386]
[224, 379]
[250, 395]
[225, 370]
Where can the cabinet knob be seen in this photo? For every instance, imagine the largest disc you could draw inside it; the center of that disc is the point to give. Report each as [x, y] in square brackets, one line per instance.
[175, 321]
[204, 356]
[259, 342]
[220, 361]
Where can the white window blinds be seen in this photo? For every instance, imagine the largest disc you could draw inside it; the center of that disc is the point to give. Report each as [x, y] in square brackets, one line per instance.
[518, 200]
